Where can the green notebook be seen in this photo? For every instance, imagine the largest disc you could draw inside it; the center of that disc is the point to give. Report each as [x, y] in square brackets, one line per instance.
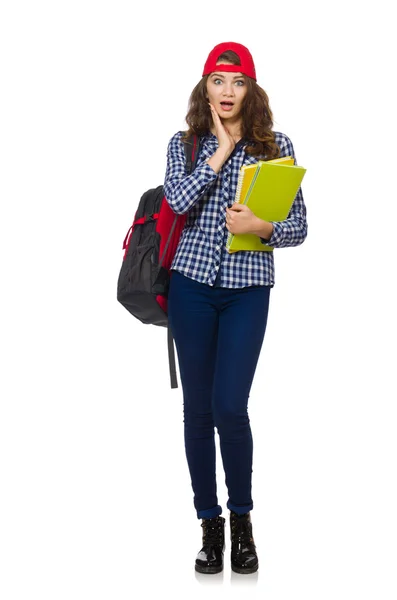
[269, 191]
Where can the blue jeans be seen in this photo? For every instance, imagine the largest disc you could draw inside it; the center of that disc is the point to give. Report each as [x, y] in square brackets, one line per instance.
[218, 335]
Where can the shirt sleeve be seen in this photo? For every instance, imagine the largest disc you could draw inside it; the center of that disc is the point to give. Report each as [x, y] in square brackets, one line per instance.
[293, 230]
[181, 190]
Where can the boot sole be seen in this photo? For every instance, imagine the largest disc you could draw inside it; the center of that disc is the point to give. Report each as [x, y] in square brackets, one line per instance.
[244, 571]
[209, 570]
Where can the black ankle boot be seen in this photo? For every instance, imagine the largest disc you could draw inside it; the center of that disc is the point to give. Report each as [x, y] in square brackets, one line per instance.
[210, 557]
[243, 554]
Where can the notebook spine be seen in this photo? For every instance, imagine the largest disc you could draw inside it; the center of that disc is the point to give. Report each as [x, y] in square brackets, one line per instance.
[239, 185]
[236, 199]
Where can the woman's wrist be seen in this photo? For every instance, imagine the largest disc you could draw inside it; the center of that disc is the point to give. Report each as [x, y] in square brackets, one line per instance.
[262, 228]
[217, 160]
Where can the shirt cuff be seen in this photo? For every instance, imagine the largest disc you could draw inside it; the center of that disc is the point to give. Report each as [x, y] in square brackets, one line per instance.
[276, 237]
[207, 170]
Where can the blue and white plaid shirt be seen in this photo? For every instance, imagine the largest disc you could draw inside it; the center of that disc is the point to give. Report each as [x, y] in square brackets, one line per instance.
[201, 253]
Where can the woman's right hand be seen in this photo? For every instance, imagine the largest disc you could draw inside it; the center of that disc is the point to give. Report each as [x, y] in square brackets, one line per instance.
[225, 140]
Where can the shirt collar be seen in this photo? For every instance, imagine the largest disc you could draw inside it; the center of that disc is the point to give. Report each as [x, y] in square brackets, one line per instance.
[209, 136]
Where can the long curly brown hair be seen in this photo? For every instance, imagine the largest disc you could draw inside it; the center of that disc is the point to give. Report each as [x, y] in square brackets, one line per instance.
[257, 118]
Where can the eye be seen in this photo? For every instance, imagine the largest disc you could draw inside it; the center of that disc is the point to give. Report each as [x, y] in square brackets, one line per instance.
[238, 81]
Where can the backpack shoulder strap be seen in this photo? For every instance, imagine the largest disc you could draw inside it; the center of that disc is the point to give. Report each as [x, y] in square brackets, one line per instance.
[191, 146]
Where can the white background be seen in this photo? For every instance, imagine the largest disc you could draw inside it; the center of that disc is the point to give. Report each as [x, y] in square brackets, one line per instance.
[96, 499]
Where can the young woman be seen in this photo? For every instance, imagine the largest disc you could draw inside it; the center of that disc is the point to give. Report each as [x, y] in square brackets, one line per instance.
[218, 302]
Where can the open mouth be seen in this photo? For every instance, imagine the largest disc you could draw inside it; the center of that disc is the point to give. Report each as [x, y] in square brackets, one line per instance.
[226, 105]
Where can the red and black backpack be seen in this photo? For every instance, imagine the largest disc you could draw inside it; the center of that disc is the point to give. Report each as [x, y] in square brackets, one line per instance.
[149, 248]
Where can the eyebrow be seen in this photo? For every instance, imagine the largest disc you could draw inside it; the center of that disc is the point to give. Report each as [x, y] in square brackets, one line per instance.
[219, 75]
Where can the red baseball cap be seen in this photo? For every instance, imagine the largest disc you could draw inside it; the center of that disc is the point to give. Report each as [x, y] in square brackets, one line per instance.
[247, 63]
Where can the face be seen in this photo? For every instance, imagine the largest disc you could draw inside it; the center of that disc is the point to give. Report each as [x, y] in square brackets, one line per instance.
[222, 87]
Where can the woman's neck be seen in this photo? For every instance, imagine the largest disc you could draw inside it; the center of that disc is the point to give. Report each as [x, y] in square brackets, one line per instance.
[235, 133]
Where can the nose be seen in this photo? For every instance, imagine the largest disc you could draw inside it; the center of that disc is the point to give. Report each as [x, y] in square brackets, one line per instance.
[228, 91]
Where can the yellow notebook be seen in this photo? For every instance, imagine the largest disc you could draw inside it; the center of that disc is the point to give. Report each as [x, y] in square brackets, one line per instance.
[269, 189]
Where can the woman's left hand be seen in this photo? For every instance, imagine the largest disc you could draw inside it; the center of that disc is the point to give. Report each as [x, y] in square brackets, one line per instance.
[240, 219]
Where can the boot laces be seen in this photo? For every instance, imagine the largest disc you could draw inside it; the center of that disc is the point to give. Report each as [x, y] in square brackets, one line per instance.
[212, 532]
[241, 530]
